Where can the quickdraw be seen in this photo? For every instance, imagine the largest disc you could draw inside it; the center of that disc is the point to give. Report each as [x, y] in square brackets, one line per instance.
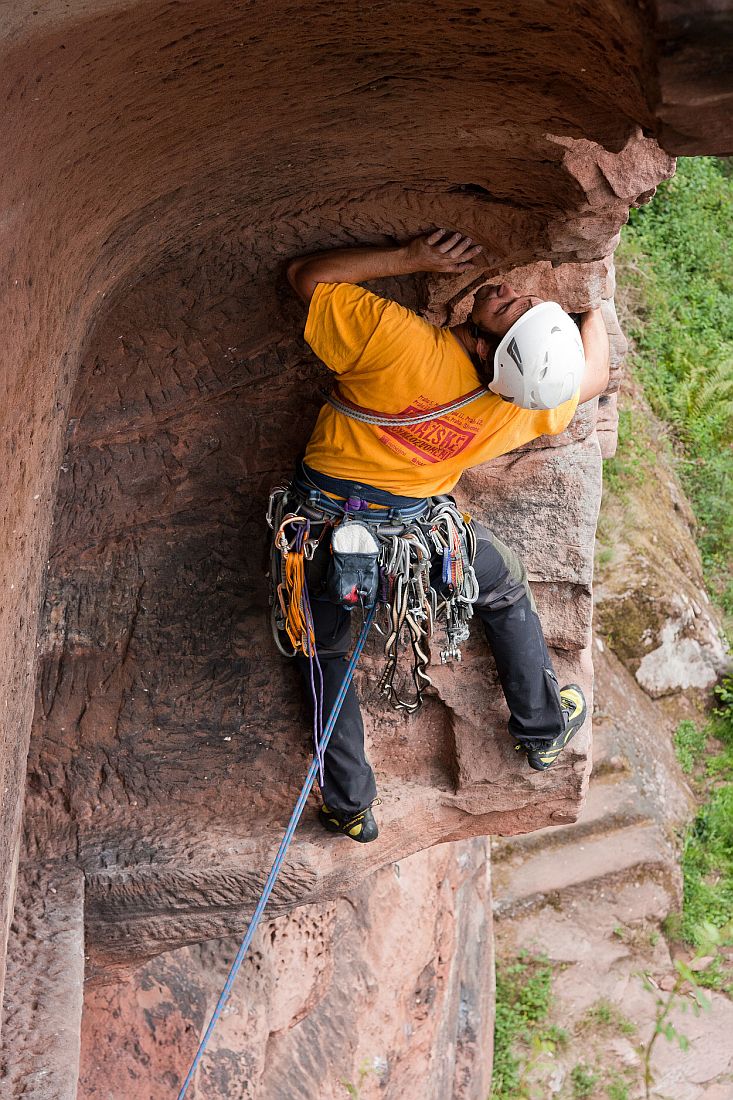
[412, 602]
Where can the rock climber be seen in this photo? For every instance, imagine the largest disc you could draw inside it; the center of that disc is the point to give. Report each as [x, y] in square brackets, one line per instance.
[536, 365]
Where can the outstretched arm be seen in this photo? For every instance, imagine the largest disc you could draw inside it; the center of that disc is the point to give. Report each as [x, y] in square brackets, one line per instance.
[597, 354]
[440, 251]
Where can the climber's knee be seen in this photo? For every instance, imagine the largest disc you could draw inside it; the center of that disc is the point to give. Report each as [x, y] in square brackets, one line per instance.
[500, 573]
[504, 595]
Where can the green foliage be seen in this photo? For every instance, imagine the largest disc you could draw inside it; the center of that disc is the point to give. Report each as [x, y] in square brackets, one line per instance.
[618, 1090]
[676, 263]
[707, 865]
[583, 1081]
[724, 708]
[676, 268]
[689, 744]
[523, 998]
[605, 1015]
[707, 854]
[633, 459]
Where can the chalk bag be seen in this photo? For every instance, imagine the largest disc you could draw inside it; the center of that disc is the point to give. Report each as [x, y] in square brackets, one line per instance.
[353, 573]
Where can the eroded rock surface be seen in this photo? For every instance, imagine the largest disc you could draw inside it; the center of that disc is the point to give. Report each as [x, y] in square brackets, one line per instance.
[387, 990]
[45, 986]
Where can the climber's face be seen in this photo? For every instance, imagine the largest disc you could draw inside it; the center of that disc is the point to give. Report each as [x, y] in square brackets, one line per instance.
[496, 308]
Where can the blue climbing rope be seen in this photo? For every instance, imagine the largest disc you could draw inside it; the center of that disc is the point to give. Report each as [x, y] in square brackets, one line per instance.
[282, 850]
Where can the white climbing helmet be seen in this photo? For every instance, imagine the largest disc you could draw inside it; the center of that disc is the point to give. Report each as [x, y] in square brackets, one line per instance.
[539, 363]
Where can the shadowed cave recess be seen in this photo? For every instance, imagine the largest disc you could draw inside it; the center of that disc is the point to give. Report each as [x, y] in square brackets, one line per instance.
[167, 159]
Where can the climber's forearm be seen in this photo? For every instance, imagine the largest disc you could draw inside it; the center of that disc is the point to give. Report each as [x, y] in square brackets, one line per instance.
[594, 335]
[346, 265]
[438, 252]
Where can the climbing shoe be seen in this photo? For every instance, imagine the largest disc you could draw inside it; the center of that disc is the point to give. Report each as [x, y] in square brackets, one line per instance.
[543, 755]
[360, 826]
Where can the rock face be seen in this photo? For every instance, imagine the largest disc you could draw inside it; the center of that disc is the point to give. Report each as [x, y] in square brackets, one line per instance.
[45, 986]
[651, 601]
[388, 991]
[167, 160]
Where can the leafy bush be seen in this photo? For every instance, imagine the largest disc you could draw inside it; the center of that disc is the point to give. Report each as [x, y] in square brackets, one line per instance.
[583, 1081]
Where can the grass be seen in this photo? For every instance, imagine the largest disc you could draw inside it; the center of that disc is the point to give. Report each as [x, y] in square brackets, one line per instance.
[634, 459]
[689, 744]
[605, 1016]
[523, 1001]
[676, 269]
[707, 853]
[618, 1090]
[675, 274]
[632, 465]
[583, 1081]
[523, 1037]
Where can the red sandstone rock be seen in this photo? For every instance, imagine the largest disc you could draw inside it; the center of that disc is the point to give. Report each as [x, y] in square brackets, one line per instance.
[387, 990]
[45, 986]
[160, 686]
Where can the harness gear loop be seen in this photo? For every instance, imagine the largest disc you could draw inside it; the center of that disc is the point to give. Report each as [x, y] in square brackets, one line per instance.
[413, 601]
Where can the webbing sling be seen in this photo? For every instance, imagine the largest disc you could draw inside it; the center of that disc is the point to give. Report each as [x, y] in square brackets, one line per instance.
[378, 419]
[281, 853]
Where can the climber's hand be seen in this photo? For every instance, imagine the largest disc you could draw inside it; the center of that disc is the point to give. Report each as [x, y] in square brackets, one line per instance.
[441, 251]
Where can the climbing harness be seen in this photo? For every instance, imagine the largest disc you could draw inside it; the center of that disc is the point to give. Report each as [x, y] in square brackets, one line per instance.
[281, 853]
[378, 419]
[406, 540]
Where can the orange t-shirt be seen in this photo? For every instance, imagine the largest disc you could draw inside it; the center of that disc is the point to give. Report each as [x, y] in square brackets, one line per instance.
[389, 359]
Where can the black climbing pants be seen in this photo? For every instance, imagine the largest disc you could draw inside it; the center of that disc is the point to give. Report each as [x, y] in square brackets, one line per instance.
[506, 608]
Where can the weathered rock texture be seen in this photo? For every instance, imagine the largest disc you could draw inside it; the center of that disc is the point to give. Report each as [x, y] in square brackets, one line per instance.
[651, 601]
[45, 985]
[166, 159]
[388, 990]
[159, 685]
